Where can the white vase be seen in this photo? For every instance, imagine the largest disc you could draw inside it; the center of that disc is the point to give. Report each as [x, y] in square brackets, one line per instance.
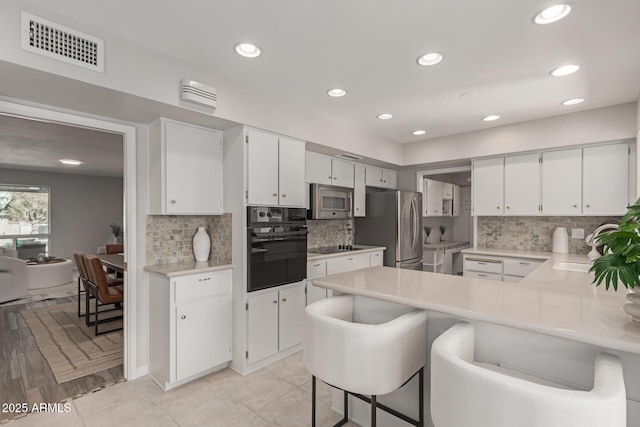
[201, 245]
[633, 306]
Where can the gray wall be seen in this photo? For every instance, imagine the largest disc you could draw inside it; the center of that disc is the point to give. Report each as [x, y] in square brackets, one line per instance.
[81, 210]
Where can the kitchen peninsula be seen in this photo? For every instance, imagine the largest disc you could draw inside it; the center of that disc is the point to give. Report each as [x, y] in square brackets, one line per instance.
[551, 324]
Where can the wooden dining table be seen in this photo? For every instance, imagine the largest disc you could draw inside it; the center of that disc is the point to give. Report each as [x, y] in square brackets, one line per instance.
[113, 262]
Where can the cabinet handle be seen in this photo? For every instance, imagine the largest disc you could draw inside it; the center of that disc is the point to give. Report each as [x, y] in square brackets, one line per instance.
[329, 177]
[204, 280]
[316, 265]
[435, 211]
[357, 209]
[275, 301]
[173, 202]
[525, 263]
[575, 206]
[183, 317]
[335, 177]
[275, 194]
[507, 207]
[587, 206]
[349, 259]
[497, 207]
[482, 263]
[284, 300]
[284, 195]
[482, 275]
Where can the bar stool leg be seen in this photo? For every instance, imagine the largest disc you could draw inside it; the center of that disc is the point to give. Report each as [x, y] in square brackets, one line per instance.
[346, 406]
[373, 411]
[421, 397]
[313, 401]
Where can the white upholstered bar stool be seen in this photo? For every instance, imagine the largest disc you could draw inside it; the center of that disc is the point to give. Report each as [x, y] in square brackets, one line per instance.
[464, 393]
[364, 359]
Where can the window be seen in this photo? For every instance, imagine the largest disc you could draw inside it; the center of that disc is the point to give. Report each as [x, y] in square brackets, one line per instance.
[24, 219]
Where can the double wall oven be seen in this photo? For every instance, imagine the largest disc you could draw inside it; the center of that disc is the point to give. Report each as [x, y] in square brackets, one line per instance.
[276, 246]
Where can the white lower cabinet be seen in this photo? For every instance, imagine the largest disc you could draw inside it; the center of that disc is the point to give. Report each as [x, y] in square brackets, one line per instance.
[376, 258]
[315, 269]
[189, 326]
[506, 269]
[275, 321]
[348, 263]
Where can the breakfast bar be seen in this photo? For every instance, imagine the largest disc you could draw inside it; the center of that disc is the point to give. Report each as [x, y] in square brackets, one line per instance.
[551, 324]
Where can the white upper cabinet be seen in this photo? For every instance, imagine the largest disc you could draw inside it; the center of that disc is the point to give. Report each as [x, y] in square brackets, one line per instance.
[185, 169]
[522, 184]
[447, 191]
[456, 200]
[605, 172]
[432, 198]
[275, 169]
[359, 191]
[488, 186]
[323, 169]
[562, 182]
[382, 178]
[291, 177]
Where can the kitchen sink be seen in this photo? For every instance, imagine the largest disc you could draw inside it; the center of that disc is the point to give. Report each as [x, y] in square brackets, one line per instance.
[572, 266]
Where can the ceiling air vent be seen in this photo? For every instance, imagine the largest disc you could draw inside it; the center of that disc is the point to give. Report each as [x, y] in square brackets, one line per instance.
[198, 93]
[348, 156]
[56, 41]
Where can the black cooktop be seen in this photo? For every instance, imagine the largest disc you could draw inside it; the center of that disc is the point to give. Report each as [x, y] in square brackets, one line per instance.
[333, 249]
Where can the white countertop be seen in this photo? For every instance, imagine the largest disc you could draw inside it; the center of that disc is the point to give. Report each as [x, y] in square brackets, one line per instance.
[184, 269]
[553, 302]
[362, 249]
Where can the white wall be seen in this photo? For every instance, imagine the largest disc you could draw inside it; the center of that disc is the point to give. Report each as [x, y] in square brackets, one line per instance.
[136, 70]
[81, 208]
[603, 124]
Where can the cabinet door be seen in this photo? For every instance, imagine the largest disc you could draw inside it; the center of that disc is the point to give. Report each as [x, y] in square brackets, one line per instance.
[456, 200]
[447, 190]
[376, 259]
[488, 186]
[373, 176]
[193, 159]
[389, 178]
[522, 184]
[203, 335]
[291, 319]
[342, 172]
[292, 162]
[318, 168]
[605, 180]
[262, 325]
[262, 168]
[432, 198]
[359, 191]
[562, 182]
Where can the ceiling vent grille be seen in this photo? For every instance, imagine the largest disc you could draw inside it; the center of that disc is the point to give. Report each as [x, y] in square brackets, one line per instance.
[198, 93]
[56, 41]
[348, 156]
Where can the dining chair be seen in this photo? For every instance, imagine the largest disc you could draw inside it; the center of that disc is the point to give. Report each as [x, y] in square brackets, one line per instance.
[114, 248]
[103, 293]
[82, 281]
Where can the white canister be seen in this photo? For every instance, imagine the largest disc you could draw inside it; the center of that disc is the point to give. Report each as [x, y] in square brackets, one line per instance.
[560, 241]
[201, 245]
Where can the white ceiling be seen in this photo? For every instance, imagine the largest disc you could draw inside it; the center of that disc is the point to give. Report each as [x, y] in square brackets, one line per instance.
[35, 145]
[490, 47]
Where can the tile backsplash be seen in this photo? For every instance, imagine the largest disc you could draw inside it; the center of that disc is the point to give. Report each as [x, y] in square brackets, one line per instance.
[534, 233]
[330, 232]
[169, 237]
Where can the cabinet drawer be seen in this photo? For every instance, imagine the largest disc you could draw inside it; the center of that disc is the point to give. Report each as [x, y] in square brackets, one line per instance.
[512, 279]
[377, 258]
[483, 264]
[347, 263]
[520, 267]
[480, 275]
[316, 269]
[202, 285]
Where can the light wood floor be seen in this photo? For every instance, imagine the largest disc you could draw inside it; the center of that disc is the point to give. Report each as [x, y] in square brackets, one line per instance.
[25, 376]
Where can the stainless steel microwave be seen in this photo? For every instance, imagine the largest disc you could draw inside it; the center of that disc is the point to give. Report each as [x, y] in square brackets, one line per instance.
[330, 202]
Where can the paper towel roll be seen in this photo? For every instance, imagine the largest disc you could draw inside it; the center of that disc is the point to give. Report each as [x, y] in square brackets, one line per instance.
[560, 241]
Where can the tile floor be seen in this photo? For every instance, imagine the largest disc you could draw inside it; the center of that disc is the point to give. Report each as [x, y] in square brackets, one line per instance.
[278, 395]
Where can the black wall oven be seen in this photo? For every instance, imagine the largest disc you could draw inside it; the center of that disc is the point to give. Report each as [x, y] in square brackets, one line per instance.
[276, 246]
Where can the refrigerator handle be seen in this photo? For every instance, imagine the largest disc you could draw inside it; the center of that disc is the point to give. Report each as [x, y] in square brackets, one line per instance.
[415, 223]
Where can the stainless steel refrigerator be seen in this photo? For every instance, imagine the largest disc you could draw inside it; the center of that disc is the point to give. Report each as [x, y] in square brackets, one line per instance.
[393, 220]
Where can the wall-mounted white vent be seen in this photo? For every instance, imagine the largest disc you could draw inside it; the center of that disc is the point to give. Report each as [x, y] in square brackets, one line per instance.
[348, 156]
[59, 42]
[198, 93]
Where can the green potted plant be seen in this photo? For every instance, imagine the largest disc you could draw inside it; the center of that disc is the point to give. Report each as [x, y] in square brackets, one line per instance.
[620, 263]
[443, 229]
[427, 232]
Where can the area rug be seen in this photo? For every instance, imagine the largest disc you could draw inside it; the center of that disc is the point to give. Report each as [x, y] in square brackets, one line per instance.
[70, 347]
[68, 290]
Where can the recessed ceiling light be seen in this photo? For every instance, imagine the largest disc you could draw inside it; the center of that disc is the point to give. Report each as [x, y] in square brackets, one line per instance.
[248, 50]
[385, 116]
[419, 132]
[70, 162]
[573, 101]
[491, 118]
[432, 58]
[552, 14]
[337, 92]
[565, 70]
